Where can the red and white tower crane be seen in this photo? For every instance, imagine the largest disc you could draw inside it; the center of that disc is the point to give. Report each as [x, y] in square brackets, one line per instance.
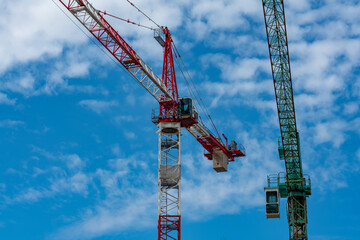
[174, 113]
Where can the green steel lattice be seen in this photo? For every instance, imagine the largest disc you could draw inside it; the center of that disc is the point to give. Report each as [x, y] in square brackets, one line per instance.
[297, 187]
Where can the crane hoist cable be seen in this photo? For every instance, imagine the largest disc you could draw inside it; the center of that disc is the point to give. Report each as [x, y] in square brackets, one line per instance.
[188, 87]
[202, 104]
[144, 14]
[192, 95]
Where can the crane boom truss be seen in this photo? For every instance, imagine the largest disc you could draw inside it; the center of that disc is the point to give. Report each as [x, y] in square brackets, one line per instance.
[296, 188]
[96, 24]
[280, 62]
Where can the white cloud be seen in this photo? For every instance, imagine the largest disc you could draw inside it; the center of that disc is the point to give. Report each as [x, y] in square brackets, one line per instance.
[131, 99]
[73, 161]
[136, 213]
[317, 68]
[2, 187]
[331, 132]
[130, 135]
[55, 78]
[23, 85]
[322, 69]
[30, 195]
[300, 6]
[124, 118]
[98, 106]
[206, 193]
[240, 79]
[38, 171]
[50, 38]
[72, 65]
[4, 99]
[38, 23]
[61, 181]
[128, 204]
[77, 183]
[351, 108]
[208, 16]
[116, 150]
[29, 37]
[329, 177]
[236, 69]
[323, 62]
[10, 123]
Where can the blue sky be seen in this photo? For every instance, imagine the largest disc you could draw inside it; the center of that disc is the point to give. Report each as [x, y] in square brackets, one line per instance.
[79, 151]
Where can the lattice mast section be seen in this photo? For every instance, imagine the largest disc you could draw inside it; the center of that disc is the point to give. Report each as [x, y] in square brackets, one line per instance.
[169, 221]
[169, 181]
[296, 189]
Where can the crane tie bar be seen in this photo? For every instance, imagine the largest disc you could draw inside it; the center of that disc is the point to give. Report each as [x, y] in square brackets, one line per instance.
[127, 20]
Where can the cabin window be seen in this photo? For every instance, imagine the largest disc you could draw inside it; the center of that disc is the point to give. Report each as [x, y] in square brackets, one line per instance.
[271, 197]
[272, 208]
[185, 106]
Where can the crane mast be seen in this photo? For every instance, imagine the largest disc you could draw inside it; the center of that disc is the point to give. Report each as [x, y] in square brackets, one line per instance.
[174, 113]
[169, 173]
[294, 185]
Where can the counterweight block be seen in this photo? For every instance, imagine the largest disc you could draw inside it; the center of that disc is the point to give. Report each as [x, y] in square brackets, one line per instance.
[220, 161]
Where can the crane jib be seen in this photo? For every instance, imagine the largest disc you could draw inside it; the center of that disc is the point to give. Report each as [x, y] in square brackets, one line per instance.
[96, 24]
[208, 140]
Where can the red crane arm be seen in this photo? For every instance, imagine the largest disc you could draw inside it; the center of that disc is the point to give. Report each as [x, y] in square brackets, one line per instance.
[96, 24]
[209, 141]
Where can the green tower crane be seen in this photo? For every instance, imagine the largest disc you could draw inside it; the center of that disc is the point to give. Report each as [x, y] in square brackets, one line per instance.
[293, 185]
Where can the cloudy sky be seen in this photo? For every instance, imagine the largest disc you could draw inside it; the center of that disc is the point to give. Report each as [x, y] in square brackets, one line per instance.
[79, 150]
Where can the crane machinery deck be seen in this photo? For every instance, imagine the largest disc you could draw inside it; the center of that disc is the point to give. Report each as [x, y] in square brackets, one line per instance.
[174, 113]
[293, 185]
